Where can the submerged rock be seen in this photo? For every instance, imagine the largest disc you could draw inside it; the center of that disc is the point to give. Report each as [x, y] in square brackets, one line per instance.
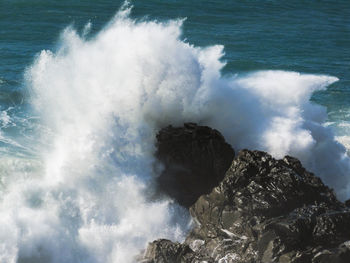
[195, 160]
[264, 210]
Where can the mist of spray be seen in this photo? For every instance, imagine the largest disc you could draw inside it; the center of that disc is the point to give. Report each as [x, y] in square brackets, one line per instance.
[103, 100]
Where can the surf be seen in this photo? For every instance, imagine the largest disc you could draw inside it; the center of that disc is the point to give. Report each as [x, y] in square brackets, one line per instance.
[103, 98]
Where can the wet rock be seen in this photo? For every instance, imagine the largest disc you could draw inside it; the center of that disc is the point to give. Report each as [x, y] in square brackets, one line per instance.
[347, 203]
[195, 160]
[165, 251]
[268, 210]
[264, 210]
[340, 254]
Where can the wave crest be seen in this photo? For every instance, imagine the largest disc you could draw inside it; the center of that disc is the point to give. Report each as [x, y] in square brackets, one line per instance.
[104, 99]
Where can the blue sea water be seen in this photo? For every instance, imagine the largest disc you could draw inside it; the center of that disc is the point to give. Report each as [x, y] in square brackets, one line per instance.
[272, 37]
[302, 36]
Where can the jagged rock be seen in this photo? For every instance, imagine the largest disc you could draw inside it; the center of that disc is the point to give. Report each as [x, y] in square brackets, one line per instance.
[270, 210]
[165, 251]
[266, 211]
[195, 160]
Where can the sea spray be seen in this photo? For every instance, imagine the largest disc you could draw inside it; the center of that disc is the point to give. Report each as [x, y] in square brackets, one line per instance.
[103, 99]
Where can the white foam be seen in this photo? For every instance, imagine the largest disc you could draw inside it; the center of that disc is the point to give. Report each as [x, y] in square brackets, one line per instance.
[5, 119]
[103, 100]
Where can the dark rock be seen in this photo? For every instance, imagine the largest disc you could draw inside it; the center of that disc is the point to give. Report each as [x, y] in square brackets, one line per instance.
[195, 160]
[165, 251]
[347, 203]
[262, 211]
[271, 211]
[340, 254]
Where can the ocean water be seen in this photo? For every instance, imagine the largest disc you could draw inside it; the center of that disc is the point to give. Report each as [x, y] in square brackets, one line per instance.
[85, 85]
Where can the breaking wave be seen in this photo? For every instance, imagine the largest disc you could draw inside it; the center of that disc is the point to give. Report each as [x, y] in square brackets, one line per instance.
[102, 100]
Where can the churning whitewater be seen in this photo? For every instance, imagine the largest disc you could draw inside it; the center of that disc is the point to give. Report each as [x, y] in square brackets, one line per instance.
[102, 99]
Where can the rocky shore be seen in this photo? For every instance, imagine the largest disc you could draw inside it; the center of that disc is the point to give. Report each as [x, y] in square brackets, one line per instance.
[261, 210]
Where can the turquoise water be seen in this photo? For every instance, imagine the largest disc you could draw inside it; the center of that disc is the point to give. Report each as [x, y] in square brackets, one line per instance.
[302, 36]
[82, 94]
[305, 36]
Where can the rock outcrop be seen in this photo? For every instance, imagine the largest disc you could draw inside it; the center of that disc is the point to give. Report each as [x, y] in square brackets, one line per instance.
[195, 160]
[264, 210]
[268, 210]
